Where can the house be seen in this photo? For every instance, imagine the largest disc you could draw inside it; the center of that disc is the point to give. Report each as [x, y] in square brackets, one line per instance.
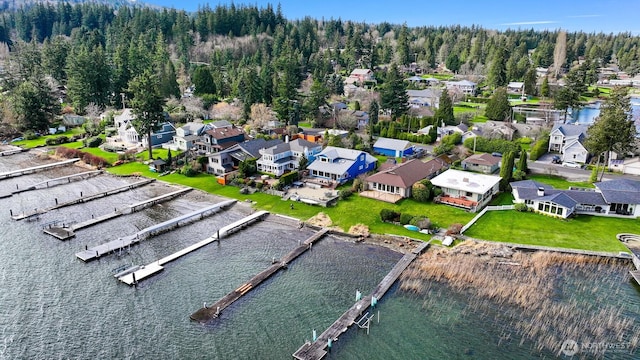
[424, 98]
[620, 197]
[127, 135]
[393, 147]
[464, 86]
[187, 136]
[361, 117]
[336, 165]
[471, 191]
[71, 120]
[395, 183]
[163, 134]
[567, 139]
[310, 134]
[227, 160]
[483, 163]
[360, 76]
[515, 87]
[217, 139]
[498, 130]
[285, 157]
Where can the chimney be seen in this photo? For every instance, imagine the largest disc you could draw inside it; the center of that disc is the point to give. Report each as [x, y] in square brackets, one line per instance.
[286, 138]
[465, 180]
[540, 191]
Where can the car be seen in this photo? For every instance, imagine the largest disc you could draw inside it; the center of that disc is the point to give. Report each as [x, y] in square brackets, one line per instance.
[556, 159]
[571, 164]
[496, 154]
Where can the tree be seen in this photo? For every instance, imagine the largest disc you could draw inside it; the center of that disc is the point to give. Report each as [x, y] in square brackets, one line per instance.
[614, 130]
[453, 62]
[544, 88]
[34, 104]
[498, 107]
[373, 112]
[522, 162]
[560, 52]
[147, 104]
[569, 95]
[498, 72]
[394, 94]
[303, 163]
[506, 170]
[530, 80]
[444, 113]
[203, 81]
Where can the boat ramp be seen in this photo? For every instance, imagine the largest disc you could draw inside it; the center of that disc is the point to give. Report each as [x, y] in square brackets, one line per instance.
[63, 231]
[208, 313]
[96, 252]
[34, 169]
[134, 275]
[316, 350]
[82, 199]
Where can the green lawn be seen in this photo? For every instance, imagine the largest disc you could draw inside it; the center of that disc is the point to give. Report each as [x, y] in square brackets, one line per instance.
[505, 198]
[29, 144]
[583, 232]
[558, 182]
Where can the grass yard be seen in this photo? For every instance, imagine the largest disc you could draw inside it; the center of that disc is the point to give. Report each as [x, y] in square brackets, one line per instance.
[558, 182]
[582, 232]
[504, 198]
[30, 144]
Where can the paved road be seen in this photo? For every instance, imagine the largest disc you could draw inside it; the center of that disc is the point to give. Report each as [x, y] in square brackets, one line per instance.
[544, 166]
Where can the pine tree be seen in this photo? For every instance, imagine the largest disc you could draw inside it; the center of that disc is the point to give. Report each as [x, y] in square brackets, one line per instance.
[147, 104]
[444, 113]
[522, 162]
[506, 170]
[498, 107]
[394, 94]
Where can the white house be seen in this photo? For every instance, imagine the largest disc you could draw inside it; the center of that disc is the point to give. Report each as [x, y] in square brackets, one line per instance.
[286, 157]
[424, 98]
[464, 86]
[187, 136]
[464, 189]
[567, 140]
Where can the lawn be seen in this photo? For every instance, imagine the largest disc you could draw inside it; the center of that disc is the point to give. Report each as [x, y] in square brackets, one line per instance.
[29, 144]
[504, 198]
[582, 232]
[558, 182]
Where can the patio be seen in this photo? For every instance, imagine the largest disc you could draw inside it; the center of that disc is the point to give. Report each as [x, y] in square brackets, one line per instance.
[458, 202]
[382, 196]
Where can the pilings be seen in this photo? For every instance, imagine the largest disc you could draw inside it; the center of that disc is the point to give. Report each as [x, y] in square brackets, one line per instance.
[316, 350]
[49, 183]
[34, 169]
[208, 313]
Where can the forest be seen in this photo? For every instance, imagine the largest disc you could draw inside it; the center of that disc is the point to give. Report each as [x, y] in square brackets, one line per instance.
[84, 58]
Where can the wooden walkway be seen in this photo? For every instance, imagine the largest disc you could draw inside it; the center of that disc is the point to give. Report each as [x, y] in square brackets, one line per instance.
[96, 252]
[67, 231]
[80, 200]
[316, 350]
[51, 182]
[209, 313]
[34, 169]
[155, 267]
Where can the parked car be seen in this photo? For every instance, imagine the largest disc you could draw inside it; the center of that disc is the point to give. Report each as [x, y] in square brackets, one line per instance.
[496, 154]
[556, 159]
[572, 164]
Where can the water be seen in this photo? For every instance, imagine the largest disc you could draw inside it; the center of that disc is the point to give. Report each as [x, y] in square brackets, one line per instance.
[53, 305]
[587, 115]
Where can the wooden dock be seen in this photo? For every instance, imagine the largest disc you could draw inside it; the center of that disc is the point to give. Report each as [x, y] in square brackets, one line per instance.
[67, 231]
[80, 200]
[206, 314]
[155, 267]
[52, 182]
[316, 350]
[96, 252]
[34, 169]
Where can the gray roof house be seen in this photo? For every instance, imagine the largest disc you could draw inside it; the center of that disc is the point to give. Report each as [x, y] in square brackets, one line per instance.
[285, 157]
[567, 140]
[229, 159]
[620, 197]
[424, 98]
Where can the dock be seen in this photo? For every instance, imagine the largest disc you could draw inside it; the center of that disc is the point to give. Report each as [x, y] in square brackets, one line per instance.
[58, 181]
[14, 151]
[155, 267]
[626, 238]
[316, 350]
[66, 231]
[34, 169]
[80, 200]
[209, 313]
[96, 252]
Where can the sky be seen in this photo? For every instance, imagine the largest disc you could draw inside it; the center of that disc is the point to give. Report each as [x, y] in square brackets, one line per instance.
[608, 16]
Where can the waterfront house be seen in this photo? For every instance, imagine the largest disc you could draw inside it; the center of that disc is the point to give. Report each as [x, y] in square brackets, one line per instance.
[620, 197]
[471, 191]
[227, 161]
[336, 165]
[567, 139]
[395, 183]
[187, 136]
[483, 163]
[285, 157]
[393, 147]
[217, 139]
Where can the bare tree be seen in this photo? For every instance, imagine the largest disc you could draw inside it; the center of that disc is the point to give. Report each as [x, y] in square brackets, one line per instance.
[560, 52]
[225, 111]
[261, 115]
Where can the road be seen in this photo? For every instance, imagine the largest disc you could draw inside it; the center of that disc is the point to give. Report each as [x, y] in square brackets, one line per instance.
[544, 166]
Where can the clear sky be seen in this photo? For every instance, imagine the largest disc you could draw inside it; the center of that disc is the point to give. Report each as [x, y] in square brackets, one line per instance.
[572, 15]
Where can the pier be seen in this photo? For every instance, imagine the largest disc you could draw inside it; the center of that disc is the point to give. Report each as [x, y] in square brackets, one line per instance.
[316, 350]
[63, 231]
[80, 200]
[31, 170]
[97, 251]
[59, 181]
[635, 252]
[208, 313]
[145, 271]
[15, 150]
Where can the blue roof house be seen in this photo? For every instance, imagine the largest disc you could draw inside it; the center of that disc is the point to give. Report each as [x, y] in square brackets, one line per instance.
[393, 147]
[336, 165]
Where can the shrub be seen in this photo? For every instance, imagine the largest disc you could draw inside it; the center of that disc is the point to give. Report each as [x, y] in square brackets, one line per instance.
[388, 215]
[289, 178]
[51, 141]
[539, 148]
[454, 229]
[251, 183]
[62, 139]
[405, 218]
[188, 171]
[344, 194]
[421, 221]
[93, 142]
[30, 135]
[259, 185]
[522, 207]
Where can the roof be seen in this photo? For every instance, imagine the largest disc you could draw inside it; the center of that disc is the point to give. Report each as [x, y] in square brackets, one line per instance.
[250, 149]
[192, 127]
[224, 133]
[528, 190]
[561, 199]
[298, 145]
[406, 174]
[466, 181]
[394, 144]
[426, 93]
[482, 159]
[570, 129]
[515, 84]
[341, 160]
[220, 124]
[361, 71]
[620, 191]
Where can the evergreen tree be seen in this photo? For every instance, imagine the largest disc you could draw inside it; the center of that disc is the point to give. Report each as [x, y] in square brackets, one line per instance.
[544, 88]
[89, 78]
[394, 94]
[444, 113]
[34, 104]
[203, 81]
[506, 170]
[373, 112]
[147, 104]
[498, 107]
[522, 162]
[530, 81]
[497, 72]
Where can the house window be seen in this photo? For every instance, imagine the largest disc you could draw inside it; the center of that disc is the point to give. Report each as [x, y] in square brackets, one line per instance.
[469, 193]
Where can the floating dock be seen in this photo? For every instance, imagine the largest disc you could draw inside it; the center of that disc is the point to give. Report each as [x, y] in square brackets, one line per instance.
[97, 251]
[80, 200]
[31, 170]
[155, 267]
[65, 231]
[206, 314]
[316, 350]
[17, 150]
[52, 182]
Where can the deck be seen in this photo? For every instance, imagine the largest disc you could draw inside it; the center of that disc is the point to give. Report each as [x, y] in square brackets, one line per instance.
[208, 313]
[96, 252]
[34, 169]
[157, 266]
[316, 350]
[458, 202]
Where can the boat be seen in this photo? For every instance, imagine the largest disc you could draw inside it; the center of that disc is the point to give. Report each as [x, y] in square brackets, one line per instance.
[411, 227]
